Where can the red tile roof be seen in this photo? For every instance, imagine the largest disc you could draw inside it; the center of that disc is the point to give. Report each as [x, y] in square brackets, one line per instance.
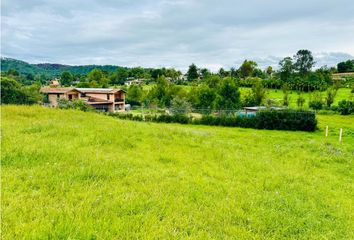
[55, 90]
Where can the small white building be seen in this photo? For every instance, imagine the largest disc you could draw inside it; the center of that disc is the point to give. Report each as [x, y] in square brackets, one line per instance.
[134, 82]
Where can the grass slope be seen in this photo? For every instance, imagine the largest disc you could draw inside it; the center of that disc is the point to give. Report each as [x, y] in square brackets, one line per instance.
[69, 174]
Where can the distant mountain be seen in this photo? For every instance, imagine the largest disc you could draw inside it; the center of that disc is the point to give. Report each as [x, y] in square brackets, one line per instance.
[50, 69]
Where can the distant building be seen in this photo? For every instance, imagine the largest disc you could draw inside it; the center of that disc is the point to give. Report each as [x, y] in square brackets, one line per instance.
[104, 99]
[135, 82]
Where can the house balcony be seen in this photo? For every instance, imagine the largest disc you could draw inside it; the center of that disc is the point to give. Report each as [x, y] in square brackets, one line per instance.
[118, 100]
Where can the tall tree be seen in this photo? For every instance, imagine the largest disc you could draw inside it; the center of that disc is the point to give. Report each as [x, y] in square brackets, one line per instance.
[205, 97]
[347, 66]
[205, 73]
[97, 78]
[135, 95]
[192, 73]
[222, 73]
[269, 71]
[119, 76]
[286, 68]
[247, 68]
[66, 78]
[229, 95]
[303, 61]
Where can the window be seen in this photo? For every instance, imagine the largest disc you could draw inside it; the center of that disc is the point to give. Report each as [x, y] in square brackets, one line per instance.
[58, 95]
[82, 95]
[70, 97]
[107, 96]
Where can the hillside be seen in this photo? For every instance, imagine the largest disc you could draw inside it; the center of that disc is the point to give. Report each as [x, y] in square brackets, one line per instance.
[69, 174]
[49, 69]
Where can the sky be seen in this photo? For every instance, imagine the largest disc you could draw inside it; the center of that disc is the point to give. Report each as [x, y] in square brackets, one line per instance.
[166, 33]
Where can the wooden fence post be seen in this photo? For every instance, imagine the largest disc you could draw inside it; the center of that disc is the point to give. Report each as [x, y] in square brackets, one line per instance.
[340, 134]
[326, 131]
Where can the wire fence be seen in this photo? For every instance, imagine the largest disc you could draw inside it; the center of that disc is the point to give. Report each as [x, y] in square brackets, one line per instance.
[208, 111]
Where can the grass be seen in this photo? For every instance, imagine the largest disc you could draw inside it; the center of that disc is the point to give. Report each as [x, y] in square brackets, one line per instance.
[343, 93]
[277, 95]
[75, 175]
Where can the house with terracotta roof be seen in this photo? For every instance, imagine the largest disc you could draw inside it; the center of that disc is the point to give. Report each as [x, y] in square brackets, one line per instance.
[103, 99]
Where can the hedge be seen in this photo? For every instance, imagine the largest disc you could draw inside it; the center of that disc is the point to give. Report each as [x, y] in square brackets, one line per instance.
[268, 119]
[346, 107]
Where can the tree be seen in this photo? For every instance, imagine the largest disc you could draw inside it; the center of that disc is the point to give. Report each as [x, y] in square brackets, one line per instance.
[119, 76]
[205, 97]
[96, 78]
[14, 93]
[286, 98]
[213, 81]
[347, 66]
[300, 101]
[192, 73]
[137, 72]
[95, 75]
[247, 68]
[13, 72]
[269, 71]
[161, 93]
[205, 73]
[286, 69]
[180, 106]
[66, 78]
[222, 73]
[135, 95]
[303, 61]
[229, 95]
[316, 101]
[233, 72]
[330, 95]
[258, 73]
[259, 92]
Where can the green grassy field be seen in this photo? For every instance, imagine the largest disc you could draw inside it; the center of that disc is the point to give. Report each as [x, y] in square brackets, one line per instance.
[277, 95]
[342, 94]
[75, 175]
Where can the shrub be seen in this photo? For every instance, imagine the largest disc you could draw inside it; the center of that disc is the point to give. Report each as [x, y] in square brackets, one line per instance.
[75, 104]
[316, 102]
[330, 95]
[287, 120]
[300, 101]
[346, 107]
[13, 92]
[286, 98]
[268, 119]
[180, 106]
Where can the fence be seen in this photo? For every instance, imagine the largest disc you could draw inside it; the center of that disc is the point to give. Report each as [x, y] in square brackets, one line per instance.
[264, 119]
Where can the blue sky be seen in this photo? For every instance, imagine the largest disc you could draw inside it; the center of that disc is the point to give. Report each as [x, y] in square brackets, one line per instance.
[158, 33]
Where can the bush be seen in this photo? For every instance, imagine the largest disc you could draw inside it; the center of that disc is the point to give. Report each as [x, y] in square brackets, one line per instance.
[75, 104]
[269, 119]
[13, 92]
[330, 95]
[287, 120]
[346, 107]
[316, 102]
[300, 101]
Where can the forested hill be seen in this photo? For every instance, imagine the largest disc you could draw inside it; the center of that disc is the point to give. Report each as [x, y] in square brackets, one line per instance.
[49, 69]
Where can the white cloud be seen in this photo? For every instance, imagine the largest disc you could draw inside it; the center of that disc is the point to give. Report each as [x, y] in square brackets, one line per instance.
[176, 33]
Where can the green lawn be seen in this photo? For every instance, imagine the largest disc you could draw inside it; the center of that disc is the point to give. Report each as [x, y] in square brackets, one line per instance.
[343, 93]
[277, 95]
[74, 175]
